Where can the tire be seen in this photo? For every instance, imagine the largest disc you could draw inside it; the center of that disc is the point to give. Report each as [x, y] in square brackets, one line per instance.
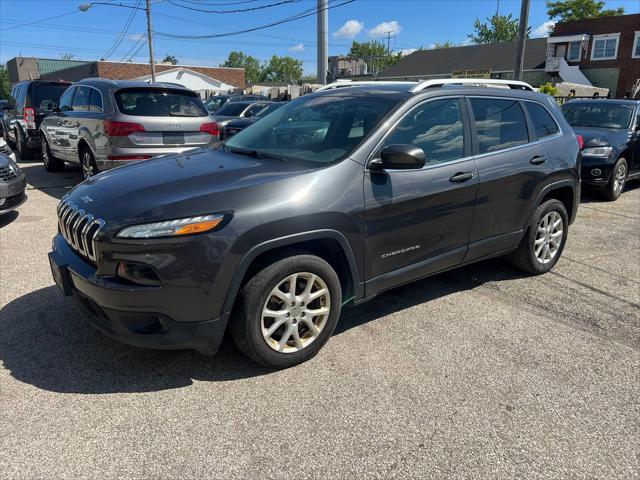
[51, 163]
[250, 330]
[5, 134]
[616, 184]
[88, 163]
[531, 256]
[24, 151]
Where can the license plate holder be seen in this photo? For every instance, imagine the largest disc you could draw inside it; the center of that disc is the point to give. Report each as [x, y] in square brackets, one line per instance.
[60, 273]
[173, 138]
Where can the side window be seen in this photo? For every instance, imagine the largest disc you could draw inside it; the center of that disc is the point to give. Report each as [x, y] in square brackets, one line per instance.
[434, 126]
[21, 94]
[64, 103]
[95, 101]
[499, 124]
[12, 98]
[81, 99]
[543, 123]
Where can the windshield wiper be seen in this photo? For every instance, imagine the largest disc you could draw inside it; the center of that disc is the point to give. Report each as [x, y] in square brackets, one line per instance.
[252, 153]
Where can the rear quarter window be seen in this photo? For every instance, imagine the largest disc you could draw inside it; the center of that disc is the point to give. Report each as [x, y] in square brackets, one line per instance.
[543, 122]
[159, 102]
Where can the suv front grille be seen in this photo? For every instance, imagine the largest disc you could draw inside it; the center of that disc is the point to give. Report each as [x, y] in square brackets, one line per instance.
[79, 229]
[6, 149]
[7, 173]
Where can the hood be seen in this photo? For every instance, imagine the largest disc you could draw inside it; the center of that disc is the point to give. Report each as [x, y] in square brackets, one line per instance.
[197, 182]
[602, 137]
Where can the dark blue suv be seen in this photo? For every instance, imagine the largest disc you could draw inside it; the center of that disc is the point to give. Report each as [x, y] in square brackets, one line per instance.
[326, 202]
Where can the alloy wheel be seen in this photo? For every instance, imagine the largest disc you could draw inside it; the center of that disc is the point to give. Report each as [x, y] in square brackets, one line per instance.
[87, 165]
[295, 312]
[45, 153]
[619, 179]
[548, 237]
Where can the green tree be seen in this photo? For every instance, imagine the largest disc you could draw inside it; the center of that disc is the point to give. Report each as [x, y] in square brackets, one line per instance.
[170, 59]
[251, 65]
[282, 69]
[5, 84]
[569, 10]
[497, 29]
[374, 50]
[446, 44]
[67, 56]
[549, 89]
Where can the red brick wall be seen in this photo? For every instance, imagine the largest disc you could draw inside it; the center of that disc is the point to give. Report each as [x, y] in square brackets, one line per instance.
[626, 25]
[128, 71]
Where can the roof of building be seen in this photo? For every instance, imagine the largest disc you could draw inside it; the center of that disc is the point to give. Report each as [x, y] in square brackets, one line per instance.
[498, 57]
[50, 65]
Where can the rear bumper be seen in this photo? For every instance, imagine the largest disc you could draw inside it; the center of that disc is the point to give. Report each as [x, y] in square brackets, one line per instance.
[134, 315]
[137, 154]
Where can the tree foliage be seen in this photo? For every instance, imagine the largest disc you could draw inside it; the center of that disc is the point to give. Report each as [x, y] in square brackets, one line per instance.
[446, 44]
[251, 65]
[5, 84]
[170, 59]
[375, 50]
[570, 10]
[497, 29]
[67, 56]
[549, 89]
[282, 69]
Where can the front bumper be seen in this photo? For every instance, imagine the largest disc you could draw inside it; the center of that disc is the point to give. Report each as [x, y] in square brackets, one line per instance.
[12, 193]
[134, 315]
[596, 172]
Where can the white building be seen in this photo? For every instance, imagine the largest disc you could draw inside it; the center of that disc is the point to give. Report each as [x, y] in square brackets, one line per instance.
[192, 80]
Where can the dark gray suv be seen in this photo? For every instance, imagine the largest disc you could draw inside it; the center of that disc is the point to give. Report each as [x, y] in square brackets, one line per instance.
[326, 202]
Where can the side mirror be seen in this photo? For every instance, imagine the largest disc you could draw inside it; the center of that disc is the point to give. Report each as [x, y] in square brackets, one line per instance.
[47, 105]
[399, 157]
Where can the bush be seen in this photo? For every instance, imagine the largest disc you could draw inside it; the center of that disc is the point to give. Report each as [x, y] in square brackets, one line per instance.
[549, 89]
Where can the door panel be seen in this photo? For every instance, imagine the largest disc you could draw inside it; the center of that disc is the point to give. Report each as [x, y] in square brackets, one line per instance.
[418, 221]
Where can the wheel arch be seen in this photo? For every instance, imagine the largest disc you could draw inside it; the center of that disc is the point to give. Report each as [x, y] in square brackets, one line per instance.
[329, 245]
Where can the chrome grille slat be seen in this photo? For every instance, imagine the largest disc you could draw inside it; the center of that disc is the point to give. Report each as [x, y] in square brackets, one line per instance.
[79, 228]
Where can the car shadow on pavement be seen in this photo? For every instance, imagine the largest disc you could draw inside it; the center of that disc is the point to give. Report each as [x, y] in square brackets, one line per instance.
[593, 196]
[7, 218]
[46, 342]
[54, 184]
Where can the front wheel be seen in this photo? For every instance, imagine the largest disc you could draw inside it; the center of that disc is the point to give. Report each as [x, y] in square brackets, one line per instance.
[287, 311]
[542, 245]
[614, 188]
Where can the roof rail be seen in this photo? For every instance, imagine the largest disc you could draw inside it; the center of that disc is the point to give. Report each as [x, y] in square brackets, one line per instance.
[478, 82]
[356, 83]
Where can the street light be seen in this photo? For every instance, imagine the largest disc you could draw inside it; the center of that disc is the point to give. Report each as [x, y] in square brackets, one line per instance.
[86, 6]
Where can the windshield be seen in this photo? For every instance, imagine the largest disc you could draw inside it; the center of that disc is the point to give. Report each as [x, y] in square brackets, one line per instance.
[598, 115]
[317, 128]
[232, 109]
[159, 102]
[42, 92]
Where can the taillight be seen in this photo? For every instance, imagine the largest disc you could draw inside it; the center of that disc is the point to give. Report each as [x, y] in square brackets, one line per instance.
[121, 129]
[30, 117]
[210, 128]
[580, 141]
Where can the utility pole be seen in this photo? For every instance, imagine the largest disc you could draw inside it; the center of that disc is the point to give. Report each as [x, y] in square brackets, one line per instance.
[521, 42]
[323, 40]
[388, 42]
[150, 41]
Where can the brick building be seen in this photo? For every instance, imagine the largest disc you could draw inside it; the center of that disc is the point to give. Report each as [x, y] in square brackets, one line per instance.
[604, 50]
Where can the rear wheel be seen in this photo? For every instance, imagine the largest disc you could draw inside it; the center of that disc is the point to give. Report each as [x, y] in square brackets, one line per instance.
[542, 245]
[51, 163]
[616, 184]
[24, 151]
[287, 311]
[89, 167]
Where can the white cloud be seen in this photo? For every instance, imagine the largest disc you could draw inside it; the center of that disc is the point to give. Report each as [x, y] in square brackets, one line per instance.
[135, 36]
[297, 48]
[384, 28]
[350, 29]
[543, 30]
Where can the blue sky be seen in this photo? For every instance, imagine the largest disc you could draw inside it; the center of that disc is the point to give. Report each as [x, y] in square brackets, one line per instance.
[92, 34]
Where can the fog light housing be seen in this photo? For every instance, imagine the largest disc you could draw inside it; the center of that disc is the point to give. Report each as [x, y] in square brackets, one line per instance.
[596, 172]
[138, 273]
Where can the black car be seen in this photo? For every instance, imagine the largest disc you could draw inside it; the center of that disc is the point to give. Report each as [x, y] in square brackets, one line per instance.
[26, 109]
[13, 183]
[611, 133]
[234, 110]
[271, 235]
[234, 126]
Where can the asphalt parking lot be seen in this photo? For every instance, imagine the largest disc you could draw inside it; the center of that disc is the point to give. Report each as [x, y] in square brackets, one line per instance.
[476, 373]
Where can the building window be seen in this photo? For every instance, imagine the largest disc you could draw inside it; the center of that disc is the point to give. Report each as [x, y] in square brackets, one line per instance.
[636, 46]
[574, 51]
[605, 47]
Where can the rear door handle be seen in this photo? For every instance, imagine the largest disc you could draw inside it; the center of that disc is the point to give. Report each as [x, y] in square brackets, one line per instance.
[461, 177]
[538, 159]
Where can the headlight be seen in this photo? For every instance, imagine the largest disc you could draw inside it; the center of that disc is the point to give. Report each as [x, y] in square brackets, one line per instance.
[597, 152]
[172, 228]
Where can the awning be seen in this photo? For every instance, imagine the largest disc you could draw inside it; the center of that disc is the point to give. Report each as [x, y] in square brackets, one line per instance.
[568, 38]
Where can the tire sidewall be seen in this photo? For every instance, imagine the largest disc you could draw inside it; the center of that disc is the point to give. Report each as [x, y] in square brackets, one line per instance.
[610, 189]
[268, 279]
[46, 154]
[540, 213]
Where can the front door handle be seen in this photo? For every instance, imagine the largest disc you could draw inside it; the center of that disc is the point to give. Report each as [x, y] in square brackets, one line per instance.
[461, 177]
[538, 160]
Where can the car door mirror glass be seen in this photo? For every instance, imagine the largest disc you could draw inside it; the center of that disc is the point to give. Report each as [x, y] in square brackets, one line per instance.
[400, 157]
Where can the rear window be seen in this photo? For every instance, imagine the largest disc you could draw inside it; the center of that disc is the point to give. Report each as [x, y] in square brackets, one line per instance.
[46, 91]
[156, 102]
[598, 115]
[543, 122]
[500, 124]
[232, 109]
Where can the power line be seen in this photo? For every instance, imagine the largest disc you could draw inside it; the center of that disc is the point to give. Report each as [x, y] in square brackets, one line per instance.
[239, 10]
[40, 21]
[306, 13]
[123, 32]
